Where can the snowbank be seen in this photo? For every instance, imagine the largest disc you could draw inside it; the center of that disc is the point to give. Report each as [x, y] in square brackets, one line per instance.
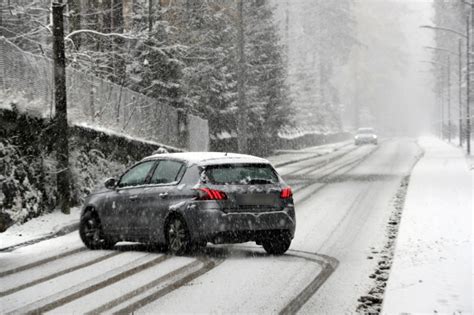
[432, 269]
[42, 227]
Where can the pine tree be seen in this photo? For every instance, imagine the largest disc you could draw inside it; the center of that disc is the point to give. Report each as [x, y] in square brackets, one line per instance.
[209, 75]
[268, 101]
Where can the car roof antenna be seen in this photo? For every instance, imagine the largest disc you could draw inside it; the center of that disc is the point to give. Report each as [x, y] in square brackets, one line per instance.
[225, 154]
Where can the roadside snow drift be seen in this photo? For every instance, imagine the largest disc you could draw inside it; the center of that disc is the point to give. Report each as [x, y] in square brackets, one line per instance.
[432, 269]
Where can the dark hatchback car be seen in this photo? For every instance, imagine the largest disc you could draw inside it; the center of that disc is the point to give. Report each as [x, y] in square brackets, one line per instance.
[184, 200]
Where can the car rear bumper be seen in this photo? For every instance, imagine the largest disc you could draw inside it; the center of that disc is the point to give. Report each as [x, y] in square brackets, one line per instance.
[365, 140]
[213, 224]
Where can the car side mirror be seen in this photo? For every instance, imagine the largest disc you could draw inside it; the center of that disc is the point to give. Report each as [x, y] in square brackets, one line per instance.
[110, 183]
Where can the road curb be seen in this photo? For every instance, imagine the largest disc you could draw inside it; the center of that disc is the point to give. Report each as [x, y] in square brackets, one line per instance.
[60, 232]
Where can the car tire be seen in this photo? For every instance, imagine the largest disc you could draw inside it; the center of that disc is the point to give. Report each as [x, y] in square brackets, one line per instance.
[278, 244]
[92, 233]
[177, 236]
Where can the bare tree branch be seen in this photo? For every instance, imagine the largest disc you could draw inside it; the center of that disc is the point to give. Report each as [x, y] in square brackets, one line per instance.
[124, 36]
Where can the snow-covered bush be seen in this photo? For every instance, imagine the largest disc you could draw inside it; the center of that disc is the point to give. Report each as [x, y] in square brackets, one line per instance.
[28, 182]
[89, 169]
[25, 181]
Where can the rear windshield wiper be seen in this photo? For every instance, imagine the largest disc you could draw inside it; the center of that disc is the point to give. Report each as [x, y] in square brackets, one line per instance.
[259, 181]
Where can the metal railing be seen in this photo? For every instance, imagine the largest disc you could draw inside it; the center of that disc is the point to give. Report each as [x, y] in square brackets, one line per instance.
[100, 103]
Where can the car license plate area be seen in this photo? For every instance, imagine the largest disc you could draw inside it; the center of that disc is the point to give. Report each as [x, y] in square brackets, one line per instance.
[258, 200]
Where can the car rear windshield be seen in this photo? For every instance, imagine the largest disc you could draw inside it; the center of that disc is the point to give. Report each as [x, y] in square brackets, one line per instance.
[365, 131]
[241, 174]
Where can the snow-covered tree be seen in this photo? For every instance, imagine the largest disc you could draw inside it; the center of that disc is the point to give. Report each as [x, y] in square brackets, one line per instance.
[208, 32]
[450, 15]
[268, 100]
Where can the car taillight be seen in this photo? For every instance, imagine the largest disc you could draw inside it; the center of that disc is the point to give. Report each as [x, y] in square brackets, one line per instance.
[211, 194]
[286, 193]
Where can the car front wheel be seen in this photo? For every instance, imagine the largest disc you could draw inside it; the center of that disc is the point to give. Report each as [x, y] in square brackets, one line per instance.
[91, 232]
[278, 244]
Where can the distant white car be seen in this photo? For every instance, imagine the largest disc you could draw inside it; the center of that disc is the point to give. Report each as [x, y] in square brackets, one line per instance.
[365, 135]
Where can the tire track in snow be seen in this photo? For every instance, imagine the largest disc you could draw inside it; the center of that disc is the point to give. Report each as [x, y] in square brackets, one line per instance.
[282, 164]
[154, 294]
[324, 180]
[328, 265]
[57, 274]
[128, 296]
[337, 163]
[325, 159]
[42, 261]
[51, 302]
[295, 305]
[361, 196]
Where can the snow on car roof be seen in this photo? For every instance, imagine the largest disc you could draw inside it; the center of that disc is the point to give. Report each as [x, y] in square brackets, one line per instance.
[206, 158]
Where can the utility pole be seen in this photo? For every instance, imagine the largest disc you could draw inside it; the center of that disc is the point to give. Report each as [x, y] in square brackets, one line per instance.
[150, 16]
[242, 106]
[287, 33]
[467, 36]
[468, 81]
[460, 89]
[449, 99]
[60, 102]
[442, 106]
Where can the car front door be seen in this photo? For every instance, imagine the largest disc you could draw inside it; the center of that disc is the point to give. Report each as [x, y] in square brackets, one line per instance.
[161, 192]
[125, 199]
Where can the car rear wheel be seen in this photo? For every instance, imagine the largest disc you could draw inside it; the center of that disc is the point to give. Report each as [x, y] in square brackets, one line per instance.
[278, 244]
[91, 232]
[177, 236]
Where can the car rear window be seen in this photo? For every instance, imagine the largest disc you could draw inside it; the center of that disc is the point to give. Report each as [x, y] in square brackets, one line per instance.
[241, 174]
[365, 131]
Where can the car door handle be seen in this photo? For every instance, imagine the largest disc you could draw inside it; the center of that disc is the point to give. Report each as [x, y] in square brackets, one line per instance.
[134, 197]
[163, 195]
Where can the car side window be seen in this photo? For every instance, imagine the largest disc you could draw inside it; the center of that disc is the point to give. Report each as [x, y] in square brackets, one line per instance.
[136, 175]
[167, 171]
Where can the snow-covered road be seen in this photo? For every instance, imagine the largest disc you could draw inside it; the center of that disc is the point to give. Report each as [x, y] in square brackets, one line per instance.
[343, 204]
